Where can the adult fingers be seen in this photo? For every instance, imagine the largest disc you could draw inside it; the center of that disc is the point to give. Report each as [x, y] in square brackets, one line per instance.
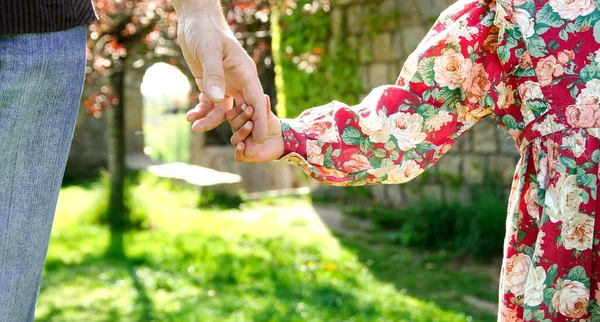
[213, 74]
[242, 134]
[254, 95]
[214, 118]
[201, 110]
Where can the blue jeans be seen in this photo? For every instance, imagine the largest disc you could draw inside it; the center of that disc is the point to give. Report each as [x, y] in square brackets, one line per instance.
[41, 80]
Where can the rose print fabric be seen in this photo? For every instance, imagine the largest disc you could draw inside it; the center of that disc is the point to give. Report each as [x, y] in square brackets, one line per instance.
[533, 65]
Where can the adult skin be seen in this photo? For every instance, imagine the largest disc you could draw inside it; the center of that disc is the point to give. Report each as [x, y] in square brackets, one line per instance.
[222, 68]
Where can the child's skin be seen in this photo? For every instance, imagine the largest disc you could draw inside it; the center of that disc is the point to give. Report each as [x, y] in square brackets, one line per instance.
[246, 148]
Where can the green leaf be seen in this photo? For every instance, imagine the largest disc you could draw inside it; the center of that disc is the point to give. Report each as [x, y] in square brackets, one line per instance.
[328, 162]
[426, 110]
[585, 197]
[390, 145]
[424, 147]
[504, 53]
[336, 152]
[586, 179]
[509, 121]
[578, 274]
[563, 35]
[548, 16]
[574, 91]
[538, 107]
[537, 47]
[596, 156]
[387, 162]
[597, 32]
[366, 146]
[380, 153]
[548, 295]
[352, 136]
[551, 275]
[426, 70]
[568, 162]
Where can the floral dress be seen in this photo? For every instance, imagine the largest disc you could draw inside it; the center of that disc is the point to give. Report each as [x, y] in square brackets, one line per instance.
[534, 66]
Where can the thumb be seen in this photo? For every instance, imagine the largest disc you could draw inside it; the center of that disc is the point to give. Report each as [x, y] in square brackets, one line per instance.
[214, 76]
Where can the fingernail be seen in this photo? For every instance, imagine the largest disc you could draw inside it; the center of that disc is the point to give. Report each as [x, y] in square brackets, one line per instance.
[238, 147]
[248, 126]
[243, 106]
[248, 112]
[217, 93]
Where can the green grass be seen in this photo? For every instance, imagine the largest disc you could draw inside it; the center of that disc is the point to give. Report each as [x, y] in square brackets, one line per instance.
[168, 136]
[271, 261]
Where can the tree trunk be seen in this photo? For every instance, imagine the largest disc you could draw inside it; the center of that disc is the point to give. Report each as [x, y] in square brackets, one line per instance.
[117, 212]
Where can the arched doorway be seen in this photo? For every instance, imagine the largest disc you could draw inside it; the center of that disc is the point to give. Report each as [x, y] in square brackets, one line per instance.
[166, 95]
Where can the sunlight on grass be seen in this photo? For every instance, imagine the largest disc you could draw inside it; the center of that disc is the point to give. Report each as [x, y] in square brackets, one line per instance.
[265, 262]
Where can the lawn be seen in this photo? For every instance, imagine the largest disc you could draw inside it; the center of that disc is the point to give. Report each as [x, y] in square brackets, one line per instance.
[272, 260]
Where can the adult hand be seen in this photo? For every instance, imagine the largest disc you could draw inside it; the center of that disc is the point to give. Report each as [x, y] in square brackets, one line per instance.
[222, 68]
[247, 149]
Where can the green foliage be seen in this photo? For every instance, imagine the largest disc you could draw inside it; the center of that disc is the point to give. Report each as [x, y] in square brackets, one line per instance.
[315, 67]
[215, 199]
[256, 264]
[475, 228]
[99, 211]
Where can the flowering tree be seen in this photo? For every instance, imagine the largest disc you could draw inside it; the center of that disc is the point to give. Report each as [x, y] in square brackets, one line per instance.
[129, 32]
[136, 33]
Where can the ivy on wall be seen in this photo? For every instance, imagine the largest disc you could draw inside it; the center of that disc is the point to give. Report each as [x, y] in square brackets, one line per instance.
[313, 67]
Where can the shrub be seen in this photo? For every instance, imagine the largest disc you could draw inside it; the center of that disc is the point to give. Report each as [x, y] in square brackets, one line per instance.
[214, 199]
[475, 228]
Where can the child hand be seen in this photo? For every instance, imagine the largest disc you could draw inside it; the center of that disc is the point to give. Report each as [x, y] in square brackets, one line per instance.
[247, 150]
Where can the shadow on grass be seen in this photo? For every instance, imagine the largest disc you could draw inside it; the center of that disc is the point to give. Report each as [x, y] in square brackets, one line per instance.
[439, 277]
[114, 260]
[194, 277]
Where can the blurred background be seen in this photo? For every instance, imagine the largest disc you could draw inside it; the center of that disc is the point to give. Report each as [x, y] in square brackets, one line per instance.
[155, 223]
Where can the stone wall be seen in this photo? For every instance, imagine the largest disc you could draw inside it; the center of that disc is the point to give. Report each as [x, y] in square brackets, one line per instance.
[89, 150]
[385, 33]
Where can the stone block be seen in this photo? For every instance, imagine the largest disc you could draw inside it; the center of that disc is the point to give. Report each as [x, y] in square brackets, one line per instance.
[431, 9]
[389, 195]
[336, 21]
[506, 143]
[504, 166]
[397, 49]
[394, 73]
[378, 74]
[463, 144]
[412, 37]
[363, 73]
[449, 165]
[485, 137]
[355, 19]
[409, 11]
[474, 169]
[382, 47]
[365, 51]
[387, 10]
[343, 2]
[433, 192]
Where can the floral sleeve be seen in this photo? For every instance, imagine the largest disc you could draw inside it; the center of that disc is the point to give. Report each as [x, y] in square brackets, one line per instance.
[448, 84]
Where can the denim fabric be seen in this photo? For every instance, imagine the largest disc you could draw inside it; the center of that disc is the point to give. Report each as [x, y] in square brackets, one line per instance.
[41, 80]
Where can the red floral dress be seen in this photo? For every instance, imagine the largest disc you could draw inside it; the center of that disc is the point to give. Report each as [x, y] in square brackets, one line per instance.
[533, 65]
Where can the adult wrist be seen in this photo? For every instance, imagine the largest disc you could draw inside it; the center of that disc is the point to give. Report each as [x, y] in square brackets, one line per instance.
[189, 8]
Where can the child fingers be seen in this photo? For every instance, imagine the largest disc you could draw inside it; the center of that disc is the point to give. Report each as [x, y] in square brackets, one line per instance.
[237, 110]
[242, 134]
[239, 152]
[242, 118]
